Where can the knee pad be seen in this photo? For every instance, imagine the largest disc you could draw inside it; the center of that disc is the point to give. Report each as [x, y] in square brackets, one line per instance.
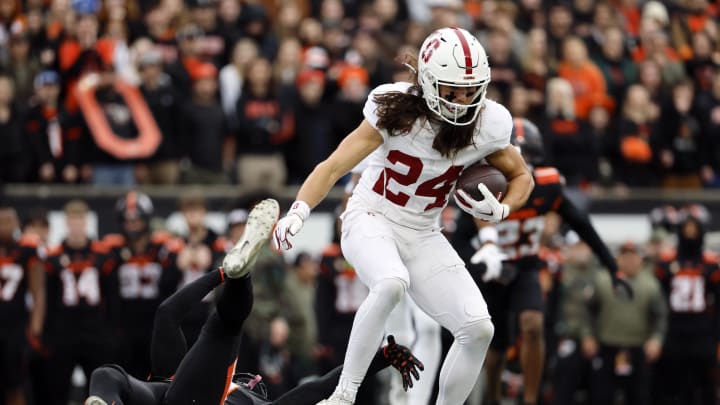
[390, 290]
[476, 331]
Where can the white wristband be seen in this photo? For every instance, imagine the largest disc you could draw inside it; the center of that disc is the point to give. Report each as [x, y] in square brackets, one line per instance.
[488, 234]
[506, 211]
[300, 208]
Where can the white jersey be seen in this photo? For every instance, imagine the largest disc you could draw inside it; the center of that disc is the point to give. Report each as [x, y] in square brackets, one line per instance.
[410, 182]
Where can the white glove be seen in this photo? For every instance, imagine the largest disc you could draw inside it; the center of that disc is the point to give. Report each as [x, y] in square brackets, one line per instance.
[290, 224]
[489, 209]
[492, 256]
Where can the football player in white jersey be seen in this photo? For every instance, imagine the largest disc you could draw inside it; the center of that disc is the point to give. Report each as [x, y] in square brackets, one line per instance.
[425, 134]
[411, 327]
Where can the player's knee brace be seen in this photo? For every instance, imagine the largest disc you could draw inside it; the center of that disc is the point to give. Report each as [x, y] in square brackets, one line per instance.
[477, 331]
[389, 291]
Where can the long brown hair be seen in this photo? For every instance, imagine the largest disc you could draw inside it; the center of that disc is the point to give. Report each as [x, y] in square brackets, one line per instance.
[397, 112]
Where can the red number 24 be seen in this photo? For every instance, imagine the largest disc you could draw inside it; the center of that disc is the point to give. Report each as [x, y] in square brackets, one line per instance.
[437, 188]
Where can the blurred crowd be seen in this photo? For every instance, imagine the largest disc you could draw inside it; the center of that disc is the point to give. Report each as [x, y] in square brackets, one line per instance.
[256, 92]
[91, 301]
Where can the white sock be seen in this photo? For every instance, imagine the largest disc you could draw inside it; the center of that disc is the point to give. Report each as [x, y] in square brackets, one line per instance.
[367, 333]
[464, 361]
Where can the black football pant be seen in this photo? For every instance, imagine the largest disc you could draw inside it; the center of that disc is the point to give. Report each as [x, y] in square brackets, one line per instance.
[200, 376]
[133, 350]
[87, 350]
[685, 378]
[605, 381]
[571, 372]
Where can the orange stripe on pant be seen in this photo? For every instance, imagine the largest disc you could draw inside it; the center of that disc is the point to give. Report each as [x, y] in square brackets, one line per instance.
[228, 380]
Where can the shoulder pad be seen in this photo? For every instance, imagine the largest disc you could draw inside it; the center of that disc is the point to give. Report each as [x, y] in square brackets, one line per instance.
[710, 257]
[113, 240]
[546, 175]
[29, 240]
[175, 245]
[667, 255]
[161, 237]
[99, 246]
[219, 244]
[55, 250]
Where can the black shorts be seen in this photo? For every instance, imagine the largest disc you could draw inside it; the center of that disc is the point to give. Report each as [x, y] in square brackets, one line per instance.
[506, 302]
[14, 357]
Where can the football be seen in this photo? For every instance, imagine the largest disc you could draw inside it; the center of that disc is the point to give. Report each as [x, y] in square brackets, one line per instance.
[481, 172]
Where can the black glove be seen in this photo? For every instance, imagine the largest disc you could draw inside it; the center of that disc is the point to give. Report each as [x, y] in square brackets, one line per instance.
[403, 360]
[621, 287]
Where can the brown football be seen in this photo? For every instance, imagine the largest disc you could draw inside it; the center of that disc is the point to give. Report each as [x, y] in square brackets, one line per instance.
[478, 173]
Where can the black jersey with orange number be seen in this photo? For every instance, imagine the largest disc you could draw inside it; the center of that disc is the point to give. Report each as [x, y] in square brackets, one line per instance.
[76, 287]
[692, 290]
[139, 281]
[15, 261]
[519, 234]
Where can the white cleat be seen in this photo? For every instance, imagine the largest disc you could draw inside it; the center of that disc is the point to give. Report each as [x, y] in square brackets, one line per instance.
[260, 223]
[337, 399]
[93, 400]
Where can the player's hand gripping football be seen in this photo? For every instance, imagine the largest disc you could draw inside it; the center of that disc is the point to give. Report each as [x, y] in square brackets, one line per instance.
[290, 224]
[489, 209]
[403, 360]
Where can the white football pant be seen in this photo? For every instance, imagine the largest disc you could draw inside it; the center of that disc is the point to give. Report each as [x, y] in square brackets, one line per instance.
[391, 260]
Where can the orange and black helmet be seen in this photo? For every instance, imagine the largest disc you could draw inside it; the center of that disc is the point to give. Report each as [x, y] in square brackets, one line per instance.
[526, 136]
[134, 205]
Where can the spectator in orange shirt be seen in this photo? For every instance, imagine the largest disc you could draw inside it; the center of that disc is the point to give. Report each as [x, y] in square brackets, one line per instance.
[655, 45]
[584, 76]
[632, 147]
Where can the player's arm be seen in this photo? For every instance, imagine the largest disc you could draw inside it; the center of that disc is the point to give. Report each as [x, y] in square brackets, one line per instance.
[354, 148]
[580, 222]
[520, 180]
[36, 285]
[658, 314]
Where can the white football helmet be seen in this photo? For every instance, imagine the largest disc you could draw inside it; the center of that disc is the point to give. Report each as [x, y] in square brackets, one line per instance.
[453, 57]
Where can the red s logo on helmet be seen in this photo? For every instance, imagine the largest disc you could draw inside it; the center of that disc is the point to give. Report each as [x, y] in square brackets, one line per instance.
[428, 51]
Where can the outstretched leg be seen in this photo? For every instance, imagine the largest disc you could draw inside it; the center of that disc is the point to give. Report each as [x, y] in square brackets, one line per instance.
[168, 345]
[204, 374]
[383, 271]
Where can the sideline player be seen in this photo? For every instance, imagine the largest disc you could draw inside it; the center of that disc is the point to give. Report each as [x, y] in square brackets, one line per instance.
[21, 271]
[76, 327]
[143, 276]
[425, 134]
[202, 375]
[517, 240]
[690, 278]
